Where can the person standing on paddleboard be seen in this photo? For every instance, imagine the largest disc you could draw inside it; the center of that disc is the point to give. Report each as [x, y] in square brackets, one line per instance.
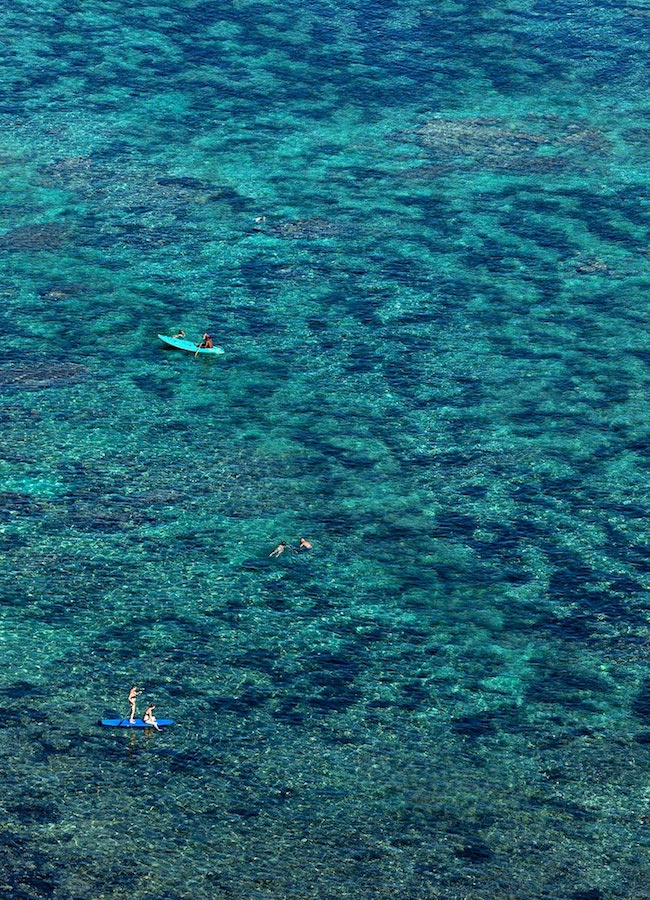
[133, 695]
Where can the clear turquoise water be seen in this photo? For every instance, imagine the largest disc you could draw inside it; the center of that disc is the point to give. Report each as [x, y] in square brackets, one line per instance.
[436, 369]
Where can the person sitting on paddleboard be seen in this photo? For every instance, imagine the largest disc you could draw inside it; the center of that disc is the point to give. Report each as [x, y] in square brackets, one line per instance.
[133, 694]
[207, 343]
[149, 719]
[282, 546]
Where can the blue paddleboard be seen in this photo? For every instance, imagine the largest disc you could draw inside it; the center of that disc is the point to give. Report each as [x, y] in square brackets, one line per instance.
[189, 346]
[137, 723]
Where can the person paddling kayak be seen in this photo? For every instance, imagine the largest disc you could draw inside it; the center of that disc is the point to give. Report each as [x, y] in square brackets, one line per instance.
[206, 342]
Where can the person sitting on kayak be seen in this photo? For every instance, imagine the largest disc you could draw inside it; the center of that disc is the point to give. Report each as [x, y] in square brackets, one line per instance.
[179, 334]
[207, 343]
[149, 719]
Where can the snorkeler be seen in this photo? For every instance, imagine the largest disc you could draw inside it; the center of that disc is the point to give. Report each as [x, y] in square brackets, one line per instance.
[282, 546]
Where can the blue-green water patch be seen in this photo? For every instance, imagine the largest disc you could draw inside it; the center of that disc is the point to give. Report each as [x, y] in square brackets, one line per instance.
[420, 236]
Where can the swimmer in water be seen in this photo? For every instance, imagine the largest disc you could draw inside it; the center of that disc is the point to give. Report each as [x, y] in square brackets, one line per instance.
[282, 546]
[304, 545]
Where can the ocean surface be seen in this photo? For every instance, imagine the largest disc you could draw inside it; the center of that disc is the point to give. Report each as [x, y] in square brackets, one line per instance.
[420, 232]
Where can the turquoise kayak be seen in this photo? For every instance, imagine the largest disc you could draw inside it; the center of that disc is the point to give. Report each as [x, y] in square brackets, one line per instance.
[189, 347]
